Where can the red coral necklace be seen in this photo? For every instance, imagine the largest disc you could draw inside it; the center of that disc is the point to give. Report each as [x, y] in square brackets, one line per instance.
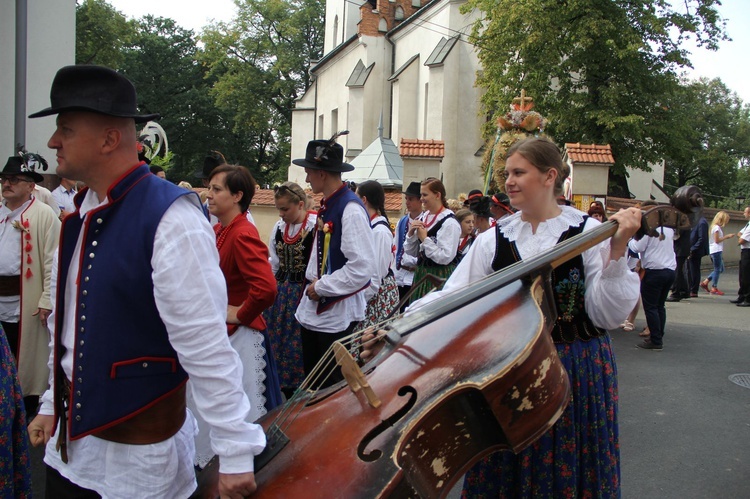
[224, 231]
[292, 240]
[428, 222]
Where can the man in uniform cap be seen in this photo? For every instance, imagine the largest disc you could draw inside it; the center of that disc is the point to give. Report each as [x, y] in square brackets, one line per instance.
[129, 323]
[342, 260]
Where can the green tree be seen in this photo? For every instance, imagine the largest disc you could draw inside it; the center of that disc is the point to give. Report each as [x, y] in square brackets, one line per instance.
[161, 60]
[599, 70]
[259, 63]
[707, 139]
[102, 32]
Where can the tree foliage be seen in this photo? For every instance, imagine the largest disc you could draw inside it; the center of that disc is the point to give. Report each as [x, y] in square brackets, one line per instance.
[101, 34]
[259, 63]
[599, 70]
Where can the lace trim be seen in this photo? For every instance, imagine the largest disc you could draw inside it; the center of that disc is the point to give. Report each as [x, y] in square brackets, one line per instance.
[513, 226]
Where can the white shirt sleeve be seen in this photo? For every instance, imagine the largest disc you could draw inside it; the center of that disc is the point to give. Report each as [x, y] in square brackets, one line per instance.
[384, 257]
[273, 258]
[193, 307]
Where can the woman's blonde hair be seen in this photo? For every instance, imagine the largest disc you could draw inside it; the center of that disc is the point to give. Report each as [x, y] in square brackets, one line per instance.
[721, 219]
[292, 191]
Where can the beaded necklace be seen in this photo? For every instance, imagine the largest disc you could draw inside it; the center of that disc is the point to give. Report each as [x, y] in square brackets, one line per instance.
[292, 240]
[221, 235]
[434, 218]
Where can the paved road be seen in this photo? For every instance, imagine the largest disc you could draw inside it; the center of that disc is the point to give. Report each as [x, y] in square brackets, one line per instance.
[684, 426]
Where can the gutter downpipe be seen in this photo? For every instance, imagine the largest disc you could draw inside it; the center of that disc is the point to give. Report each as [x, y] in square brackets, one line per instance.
[19, 133]
[390, 97]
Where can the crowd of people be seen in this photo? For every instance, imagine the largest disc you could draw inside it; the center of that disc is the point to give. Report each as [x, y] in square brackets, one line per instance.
[167, 347]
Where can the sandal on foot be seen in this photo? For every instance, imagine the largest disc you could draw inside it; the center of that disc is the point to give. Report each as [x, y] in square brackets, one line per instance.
[627, 326]
[704, 285]
[715, 291]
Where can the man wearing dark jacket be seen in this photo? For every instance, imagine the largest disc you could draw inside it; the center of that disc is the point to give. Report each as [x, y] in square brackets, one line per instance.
[698, 249]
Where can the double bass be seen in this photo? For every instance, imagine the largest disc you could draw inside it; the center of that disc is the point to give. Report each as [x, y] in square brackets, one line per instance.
[457, 379]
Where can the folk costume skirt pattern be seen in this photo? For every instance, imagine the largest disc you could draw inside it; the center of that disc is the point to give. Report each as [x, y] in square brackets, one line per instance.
[382, 304]
[15, 468]
[284, 332]
[580, 455]
[442, 271]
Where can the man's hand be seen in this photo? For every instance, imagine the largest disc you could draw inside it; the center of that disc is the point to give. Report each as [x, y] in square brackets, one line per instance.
[40, 429]
[310, 291]
[236, 485]
[43, 314]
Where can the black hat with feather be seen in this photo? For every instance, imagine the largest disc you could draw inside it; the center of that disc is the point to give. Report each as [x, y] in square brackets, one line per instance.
[325, 155]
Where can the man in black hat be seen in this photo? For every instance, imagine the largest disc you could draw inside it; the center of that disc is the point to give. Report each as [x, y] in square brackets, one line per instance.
[29, 232]
[405, 264]
[342, 260]
[129, 323]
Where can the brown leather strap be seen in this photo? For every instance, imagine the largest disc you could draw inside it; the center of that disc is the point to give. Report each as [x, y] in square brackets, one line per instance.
[10, 285]
[155, 424]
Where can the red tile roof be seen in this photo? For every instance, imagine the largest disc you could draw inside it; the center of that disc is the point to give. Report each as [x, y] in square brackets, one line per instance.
[590, 153]
[415, 148]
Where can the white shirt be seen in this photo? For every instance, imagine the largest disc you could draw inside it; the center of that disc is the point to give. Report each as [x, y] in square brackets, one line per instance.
[383, 255]
[745, 236]
[441, 248]
[403, 276]
[611, 289]
[64, 198]
[357, 244]
[190, 294]
[10, 258]
[294, 229]
[45, 196]
[713, 246]
[656, 254]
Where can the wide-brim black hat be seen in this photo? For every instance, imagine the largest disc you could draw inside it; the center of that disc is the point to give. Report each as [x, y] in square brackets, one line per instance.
[414, 189]
[96, 89]
[16, 166]
[324, 155]
[210, 162]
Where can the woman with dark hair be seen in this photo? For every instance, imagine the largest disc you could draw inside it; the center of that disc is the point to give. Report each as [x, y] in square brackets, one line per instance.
[466, 218]
[482, 214]
[597, 212]
[433, 237]
[251, 288]
[382, 295]
[289, 251]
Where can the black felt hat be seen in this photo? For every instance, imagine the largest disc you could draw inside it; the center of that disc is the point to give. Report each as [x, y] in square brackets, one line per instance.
[210, 162]
[325, 155]
[414, 189]
[16, 166]
[96, 89]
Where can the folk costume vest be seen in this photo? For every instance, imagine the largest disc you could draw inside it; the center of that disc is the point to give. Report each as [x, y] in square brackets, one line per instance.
[568, 285]
[422, 260]
[401, 229]
[330, 228]
[293, 257]
[123, 361]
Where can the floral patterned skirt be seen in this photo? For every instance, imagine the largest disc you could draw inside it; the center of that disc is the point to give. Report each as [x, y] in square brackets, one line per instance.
[443, 272]
[283, 331]
[15, 468]
[580, 455]
[382, 304]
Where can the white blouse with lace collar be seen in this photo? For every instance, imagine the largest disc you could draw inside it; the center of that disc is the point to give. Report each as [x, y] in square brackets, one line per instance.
[611, 289]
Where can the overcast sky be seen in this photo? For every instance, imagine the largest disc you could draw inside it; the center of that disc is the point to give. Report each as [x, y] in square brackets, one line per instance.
[729, 63]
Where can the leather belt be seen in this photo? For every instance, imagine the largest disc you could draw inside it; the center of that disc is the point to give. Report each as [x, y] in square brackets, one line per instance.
[155, 424]
[10, 285]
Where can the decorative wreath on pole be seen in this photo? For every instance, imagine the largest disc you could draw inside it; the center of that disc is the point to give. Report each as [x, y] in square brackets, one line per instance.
[515, 125]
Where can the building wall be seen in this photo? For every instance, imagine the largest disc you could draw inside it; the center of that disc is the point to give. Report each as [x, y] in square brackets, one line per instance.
[641, 184]
[51, 45]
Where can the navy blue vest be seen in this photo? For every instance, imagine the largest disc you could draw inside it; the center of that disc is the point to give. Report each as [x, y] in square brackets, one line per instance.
[332, 210]
[123, 361]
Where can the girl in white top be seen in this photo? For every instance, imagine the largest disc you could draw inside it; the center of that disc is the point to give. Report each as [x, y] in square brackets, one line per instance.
[382, 295]
[433, 237]
[716, 248]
